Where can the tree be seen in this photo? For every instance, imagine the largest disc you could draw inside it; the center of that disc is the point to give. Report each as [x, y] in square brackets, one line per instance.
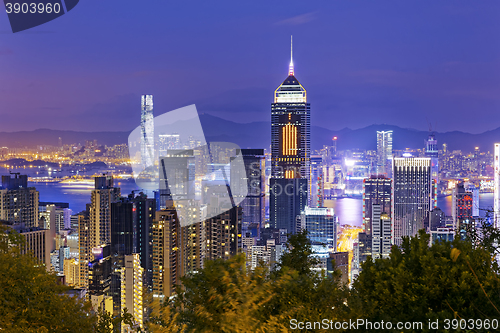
[31, 299]
[418, 283]
[306, 293]
[483, 234]
[106, 323]
[299, 256]
[225, 297]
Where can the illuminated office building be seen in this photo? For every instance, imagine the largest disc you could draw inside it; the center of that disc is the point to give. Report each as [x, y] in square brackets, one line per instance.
[321, 226]
[131, 227]
[317, 183]
[384, 153]
[377, 204]
[412, 196]
[377, 190]
[147, 131]
[290, 153]
[496, 188]
[462, 208]
[381, 233]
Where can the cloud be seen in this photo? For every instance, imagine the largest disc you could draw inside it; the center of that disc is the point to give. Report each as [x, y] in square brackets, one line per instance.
[298, 20]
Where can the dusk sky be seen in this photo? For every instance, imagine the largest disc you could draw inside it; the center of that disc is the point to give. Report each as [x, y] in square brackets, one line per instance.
[404, 63]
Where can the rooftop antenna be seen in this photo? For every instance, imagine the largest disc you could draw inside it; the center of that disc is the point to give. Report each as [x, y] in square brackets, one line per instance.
[291, 71]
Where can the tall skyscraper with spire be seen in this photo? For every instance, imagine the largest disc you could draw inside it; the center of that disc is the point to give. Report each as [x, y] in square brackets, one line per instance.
[147, 131]
[290, 153]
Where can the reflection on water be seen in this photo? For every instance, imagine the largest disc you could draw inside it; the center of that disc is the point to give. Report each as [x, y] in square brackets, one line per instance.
[485, 203]
[348, 210]
[78, 195]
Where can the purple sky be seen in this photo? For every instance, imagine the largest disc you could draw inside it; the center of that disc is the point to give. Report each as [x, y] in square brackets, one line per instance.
[362, 62]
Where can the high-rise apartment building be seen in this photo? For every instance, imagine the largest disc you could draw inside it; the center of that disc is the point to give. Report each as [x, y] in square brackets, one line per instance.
[84, 249]
[412, 196]
[131, 290]
[18, 202]
[222, 234]
[147, 132]
[38, 242]
[166, 253]
[290, 149]
[384, 153]
[102, 197]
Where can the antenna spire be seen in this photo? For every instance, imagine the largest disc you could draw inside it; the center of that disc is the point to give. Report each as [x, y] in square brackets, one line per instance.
[291, 71]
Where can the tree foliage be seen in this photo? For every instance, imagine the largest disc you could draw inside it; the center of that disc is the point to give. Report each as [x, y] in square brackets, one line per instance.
[31, 299]
[225, 296]
[445, 281]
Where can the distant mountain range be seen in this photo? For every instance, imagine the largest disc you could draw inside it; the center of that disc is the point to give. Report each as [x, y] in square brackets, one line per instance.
[257, 135]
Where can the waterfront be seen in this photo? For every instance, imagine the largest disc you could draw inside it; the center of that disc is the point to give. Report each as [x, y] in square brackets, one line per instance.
[77, 194]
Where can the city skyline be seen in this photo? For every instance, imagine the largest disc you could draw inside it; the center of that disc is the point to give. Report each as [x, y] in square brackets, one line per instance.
[224, 201]
[368, 72]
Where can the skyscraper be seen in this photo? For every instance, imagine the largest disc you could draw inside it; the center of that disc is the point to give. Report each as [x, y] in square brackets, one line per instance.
[377, 190]
[384, 152]
[166, 253]
[431, 151]
[253, 205]
[496, 166]
[290, 153]
[462, 208]
[321, 225]
[147, 131]
[377, 204]
[411, 196]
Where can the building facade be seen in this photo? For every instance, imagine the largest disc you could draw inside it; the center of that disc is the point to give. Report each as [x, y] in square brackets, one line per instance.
[290, 153]
[131, 290]
[321, 226]
[384, 153]
[147, 132]
[18, 202]
[412, 196]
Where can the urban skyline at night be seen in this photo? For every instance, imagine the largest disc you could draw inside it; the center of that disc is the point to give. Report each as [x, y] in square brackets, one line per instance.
[244, 167]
